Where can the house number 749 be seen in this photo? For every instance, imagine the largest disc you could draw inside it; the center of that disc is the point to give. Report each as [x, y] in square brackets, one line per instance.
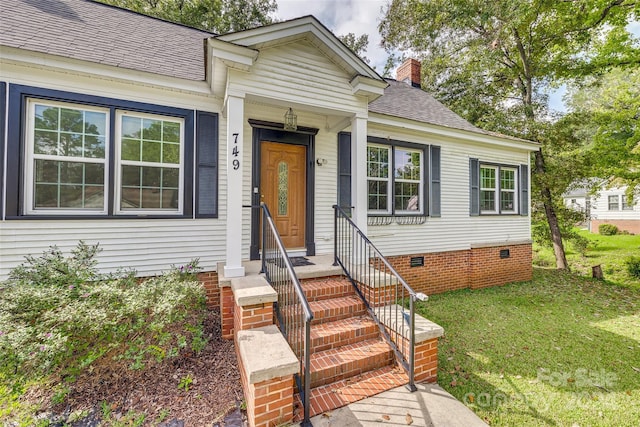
[235, 152]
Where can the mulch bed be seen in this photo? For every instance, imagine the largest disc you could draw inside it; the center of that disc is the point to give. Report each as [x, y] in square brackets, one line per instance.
[214, 394]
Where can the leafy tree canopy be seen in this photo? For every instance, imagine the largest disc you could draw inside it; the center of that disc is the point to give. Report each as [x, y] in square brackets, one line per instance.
[358, 44]
[218, 16]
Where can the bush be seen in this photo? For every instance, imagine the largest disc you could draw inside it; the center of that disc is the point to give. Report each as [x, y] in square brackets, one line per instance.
[58, 313]
[633, 266]
[608, 229]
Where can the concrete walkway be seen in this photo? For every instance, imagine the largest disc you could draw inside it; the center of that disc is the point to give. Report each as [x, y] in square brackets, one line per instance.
[427, 407]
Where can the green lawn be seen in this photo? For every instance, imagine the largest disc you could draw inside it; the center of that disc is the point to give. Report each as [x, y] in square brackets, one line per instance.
[608, 251]
[561, 350]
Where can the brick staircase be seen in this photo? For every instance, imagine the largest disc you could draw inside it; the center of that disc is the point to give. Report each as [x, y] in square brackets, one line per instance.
[349, 360]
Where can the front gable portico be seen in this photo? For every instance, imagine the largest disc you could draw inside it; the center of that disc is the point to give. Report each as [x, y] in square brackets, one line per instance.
[300, 65]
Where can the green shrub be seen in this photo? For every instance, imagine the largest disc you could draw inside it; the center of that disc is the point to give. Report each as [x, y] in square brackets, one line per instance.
[608, 229]
[58, 313]
[633, 266]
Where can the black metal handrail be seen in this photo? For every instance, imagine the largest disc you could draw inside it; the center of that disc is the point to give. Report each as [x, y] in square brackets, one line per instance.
[381, 288]
[292, 308]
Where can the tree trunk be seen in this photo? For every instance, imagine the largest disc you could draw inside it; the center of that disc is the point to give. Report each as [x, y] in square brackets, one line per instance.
[552, 219]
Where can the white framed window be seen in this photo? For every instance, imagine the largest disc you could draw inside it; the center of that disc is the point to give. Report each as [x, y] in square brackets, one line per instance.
[408, 180]
[626, 206]
[613, 203]
[66, 158]
[498, 189]
[488, 189]
[149, 164]
[378, 178]
[508, 190]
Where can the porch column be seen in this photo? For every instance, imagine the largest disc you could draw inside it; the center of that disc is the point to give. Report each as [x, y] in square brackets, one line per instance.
[235, 138]
[359, 171]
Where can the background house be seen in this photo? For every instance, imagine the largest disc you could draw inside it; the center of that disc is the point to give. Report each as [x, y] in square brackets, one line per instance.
[151, 138]
[613, 206]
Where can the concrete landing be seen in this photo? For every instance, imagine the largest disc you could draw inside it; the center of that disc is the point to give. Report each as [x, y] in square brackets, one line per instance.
[430, 406]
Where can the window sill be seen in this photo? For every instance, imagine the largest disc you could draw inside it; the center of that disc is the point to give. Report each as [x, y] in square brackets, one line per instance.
[418, 219]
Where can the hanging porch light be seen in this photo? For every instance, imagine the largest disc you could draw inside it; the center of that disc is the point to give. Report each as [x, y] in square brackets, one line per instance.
[290, 120]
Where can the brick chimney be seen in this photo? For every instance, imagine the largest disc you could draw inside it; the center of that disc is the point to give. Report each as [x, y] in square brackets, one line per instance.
[409, 72]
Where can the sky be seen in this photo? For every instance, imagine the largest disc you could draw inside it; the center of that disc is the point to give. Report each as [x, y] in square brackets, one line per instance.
[362, 17]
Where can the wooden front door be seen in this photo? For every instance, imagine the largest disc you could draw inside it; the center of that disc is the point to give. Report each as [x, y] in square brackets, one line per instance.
[283, 188]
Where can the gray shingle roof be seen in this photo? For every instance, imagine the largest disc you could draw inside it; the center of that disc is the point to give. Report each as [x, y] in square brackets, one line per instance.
[95, 32]
[403, 100]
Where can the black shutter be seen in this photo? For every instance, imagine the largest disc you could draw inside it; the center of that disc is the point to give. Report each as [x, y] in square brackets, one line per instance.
[474, 187]
[435, 181]
[524, 190]
[3, 103]
[344, 170]
[207, 165]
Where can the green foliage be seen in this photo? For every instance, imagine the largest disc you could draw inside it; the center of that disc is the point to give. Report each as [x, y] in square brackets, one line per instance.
[219, 16]
[608, 229]
[559, 350]
[357, 44]
[633, 266]
[54, 319]
[185, 382]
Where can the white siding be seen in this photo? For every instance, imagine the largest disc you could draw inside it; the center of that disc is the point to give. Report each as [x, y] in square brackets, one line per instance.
[600, 206]
[298, 73]
[148, 245]
[455, 229]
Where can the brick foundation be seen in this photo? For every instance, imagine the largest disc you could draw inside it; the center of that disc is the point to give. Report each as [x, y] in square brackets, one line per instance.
[474, 268]
[209, 280]
[629, 225]
[226, 312]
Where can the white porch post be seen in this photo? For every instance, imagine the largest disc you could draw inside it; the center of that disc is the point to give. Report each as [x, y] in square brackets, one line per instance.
[359, 171]
[235, 119]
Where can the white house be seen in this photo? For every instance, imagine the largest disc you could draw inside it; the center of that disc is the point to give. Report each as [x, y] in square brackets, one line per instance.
[151, 138]
[611, 205]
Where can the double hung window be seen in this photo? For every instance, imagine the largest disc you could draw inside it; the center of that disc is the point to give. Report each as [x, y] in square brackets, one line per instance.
[395, 179]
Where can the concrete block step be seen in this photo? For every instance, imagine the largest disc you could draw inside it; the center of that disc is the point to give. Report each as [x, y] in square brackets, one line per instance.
[330, 310]
[344, 392]
[327, 287]
[350, 360]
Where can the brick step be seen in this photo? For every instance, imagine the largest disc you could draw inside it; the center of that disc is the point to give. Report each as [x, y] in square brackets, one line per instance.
[330, 310]
[324, 288]
[350, 360]
[326, 336]
[341, 393]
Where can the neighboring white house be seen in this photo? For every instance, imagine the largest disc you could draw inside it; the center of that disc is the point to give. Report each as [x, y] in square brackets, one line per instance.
[613, 206]
[151, 137]
[609, 205]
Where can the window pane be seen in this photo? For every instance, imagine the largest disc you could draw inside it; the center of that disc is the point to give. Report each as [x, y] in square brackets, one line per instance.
[130, 198]
[171, 132]
[151, 130]
[71, 120]
[150, 198]
[613, 203]
[507, 179]
[131, 149]
[171, 153]
[283, 188]
[131, 175]
[378, 195]
[45, 142]
[71, 144]
[170, 199]
[131, 127]
[46, 117]
[94, 146]
[64, 185]
[406, 196]
[151, 151]
[170, 178]
[377, 162]
[94, 123]
[507, 201]
[151, 177]
[487, 178]
[407, 164]
[487, 200]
